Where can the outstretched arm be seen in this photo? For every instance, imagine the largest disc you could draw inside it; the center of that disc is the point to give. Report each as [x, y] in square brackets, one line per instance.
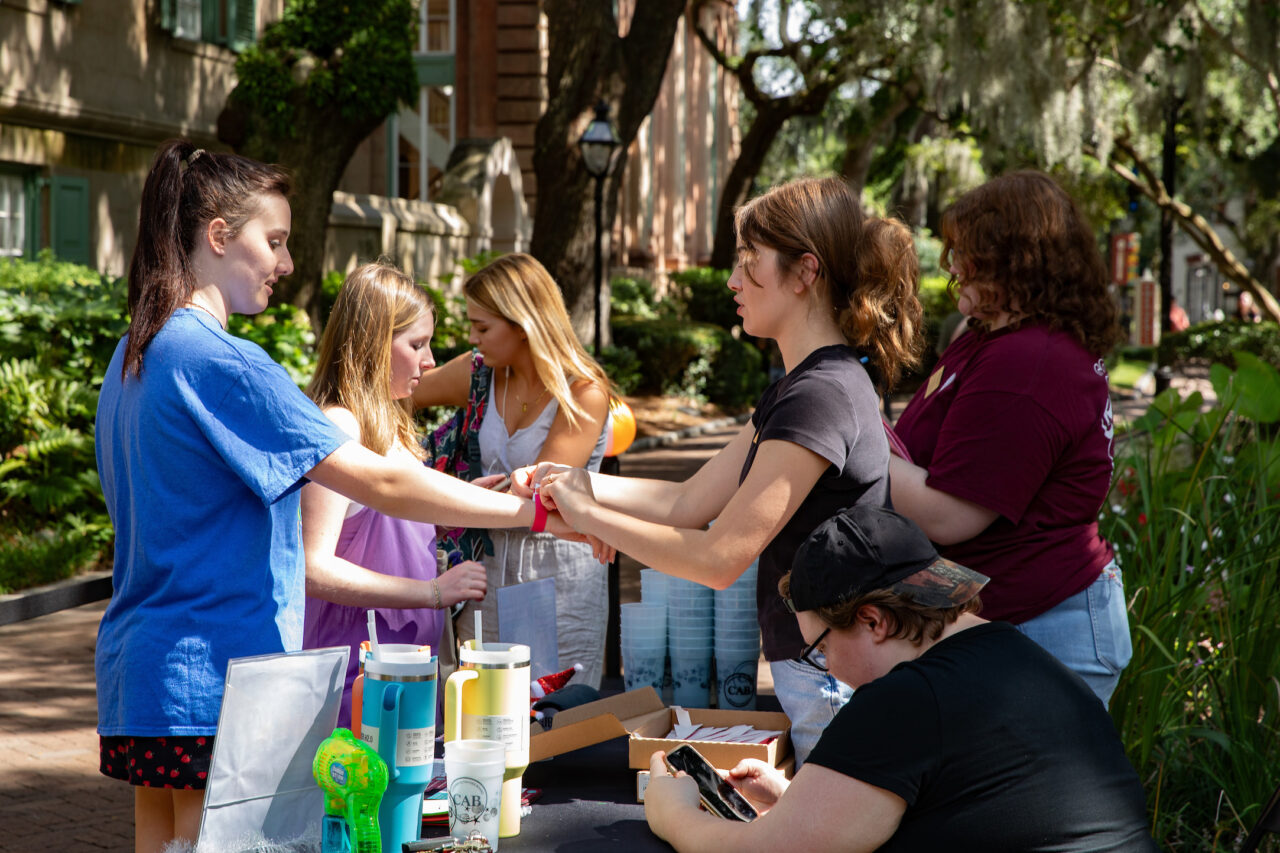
[331, 578]
[691, 503]
[781, 476]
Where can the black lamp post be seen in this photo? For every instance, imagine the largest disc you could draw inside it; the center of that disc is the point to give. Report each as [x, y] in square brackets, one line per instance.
[598, 143]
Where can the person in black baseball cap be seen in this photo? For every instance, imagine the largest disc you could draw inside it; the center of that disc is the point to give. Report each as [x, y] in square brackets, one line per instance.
[961, 733]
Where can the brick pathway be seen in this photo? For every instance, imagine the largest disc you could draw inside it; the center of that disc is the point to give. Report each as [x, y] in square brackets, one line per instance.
[52, 797]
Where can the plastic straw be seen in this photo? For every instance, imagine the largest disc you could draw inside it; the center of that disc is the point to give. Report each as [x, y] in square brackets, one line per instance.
[373, 636]
[479, 634]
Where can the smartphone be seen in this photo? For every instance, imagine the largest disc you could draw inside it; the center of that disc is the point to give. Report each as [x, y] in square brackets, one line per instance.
[718, 796]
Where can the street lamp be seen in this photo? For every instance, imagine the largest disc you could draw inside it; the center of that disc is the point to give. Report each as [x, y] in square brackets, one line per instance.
[598, 143]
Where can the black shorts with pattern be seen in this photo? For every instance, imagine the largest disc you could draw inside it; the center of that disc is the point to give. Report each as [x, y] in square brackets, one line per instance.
[157, 762]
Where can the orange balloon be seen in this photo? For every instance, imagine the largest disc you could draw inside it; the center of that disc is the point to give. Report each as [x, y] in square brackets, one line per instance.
[624, 428]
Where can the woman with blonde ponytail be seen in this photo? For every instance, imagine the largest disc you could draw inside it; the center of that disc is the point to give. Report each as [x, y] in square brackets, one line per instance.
[542, 399]
[838, 293]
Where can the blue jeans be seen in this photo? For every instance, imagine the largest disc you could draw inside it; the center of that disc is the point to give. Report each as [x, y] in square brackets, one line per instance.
[1089, 632]
[810, 698]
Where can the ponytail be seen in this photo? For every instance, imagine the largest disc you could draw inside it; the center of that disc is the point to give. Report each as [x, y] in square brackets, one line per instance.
[882, 315]
[186, 189]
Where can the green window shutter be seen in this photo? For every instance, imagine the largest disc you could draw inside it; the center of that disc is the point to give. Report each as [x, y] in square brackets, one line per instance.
[212, 27]
[168, 15]
[31, 187]
[69, 219]
[243, 21]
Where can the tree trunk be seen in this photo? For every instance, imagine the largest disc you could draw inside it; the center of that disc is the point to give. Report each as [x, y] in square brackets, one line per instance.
[587, 61]
[863, 134]
[738, 183]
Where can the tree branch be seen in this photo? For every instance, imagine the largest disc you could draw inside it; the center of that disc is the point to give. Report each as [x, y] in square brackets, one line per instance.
[1193, 225]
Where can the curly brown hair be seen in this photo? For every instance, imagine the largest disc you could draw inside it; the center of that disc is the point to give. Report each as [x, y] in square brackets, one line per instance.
[1026, 248]
[867, 266]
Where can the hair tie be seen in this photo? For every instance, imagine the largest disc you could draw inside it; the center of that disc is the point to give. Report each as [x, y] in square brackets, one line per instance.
[189, 160]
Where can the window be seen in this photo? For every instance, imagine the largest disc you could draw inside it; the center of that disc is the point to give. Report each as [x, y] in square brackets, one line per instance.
[423, 135]
[231, 23]
[13, 216]
[37, 211]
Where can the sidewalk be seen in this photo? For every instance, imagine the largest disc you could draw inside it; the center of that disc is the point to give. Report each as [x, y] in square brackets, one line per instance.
[52, 797]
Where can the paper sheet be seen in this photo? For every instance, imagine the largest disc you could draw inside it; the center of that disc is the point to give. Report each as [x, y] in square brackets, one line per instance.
[276, 711]
[527, 615]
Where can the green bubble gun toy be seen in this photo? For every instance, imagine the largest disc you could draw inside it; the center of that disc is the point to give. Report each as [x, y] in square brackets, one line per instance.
[353, 778]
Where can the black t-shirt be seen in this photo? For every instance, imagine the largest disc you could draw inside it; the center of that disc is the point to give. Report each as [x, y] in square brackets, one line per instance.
[995, 746]
[827, 405]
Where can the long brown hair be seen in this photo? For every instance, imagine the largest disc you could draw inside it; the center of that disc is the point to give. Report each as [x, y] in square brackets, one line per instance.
[1025, 247]
[353, 365]
[186, 189]
[867, 266]
[518, 288]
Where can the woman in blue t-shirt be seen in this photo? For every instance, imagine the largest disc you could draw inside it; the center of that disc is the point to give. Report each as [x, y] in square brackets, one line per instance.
[203, 443]
[833, 288]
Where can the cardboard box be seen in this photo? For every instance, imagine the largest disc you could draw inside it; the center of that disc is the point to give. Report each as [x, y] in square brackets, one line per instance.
[641, 715]
[595, 722]
[650, 736]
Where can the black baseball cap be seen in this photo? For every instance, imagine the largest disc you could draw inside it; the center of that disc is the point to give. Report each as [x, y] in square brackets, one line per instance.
[865, 548]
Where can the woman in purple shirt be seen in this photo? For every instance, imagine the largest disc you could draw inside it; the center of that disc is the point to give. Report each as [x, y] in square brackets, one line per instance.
[375, 347]
[1011, 435]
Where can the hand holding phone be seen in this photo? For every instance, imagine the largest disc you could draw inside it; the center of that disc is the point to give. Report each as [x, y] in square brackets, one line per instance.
[717, 795]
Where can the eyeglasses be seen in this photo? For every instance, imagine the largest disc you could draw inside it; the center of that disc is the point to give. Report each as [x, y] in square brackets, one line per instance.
[806, 656]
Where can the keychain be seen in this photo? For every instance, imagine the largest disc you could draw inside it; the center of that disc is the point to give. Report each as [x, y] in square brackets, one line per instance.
[473, 843]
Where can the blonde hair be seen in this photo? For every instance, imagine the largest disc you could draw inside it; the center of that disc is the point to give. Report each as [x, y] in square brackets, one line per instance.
[519, 289]
[353, 366]
[867, 266]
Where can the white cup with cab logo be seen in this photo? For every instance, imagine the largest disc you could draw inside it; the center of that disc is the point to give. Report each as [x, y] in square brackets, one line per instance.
[473, 770]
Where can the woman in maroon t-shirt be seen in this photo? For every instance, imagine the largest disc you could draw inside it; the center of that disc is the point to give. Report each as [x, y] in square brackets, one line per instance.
[1011, 435]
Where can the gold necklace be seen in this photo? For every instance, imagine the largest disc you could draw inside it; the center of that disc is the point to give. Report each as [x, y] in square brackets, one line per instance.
[524, 407]
[193, 304]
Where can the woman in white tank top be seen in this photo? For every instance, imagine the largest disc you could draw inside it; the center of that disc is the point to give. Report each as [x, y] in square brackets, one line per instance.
[548, 401]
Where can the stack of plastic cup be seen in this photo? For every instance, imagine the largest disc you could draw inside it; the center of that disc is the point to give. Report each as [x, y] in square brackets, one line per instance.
[653, 590]
[653, 587]
[737, 643]
[690, 631]
[644, 645]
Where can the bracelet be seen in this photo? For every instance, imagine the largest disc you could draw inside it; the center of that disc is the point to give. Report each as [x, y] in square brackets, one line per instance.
[539, 514]
[435, 585]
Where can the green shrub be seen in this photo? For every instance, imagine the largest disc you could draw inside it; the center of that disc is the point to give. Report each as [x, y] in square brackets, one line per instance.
[59, 325]
[692, 359]
[623, 368]
[632, 297]
[705, 296]
[1194, 515]
[737, 375]
[1216, 342]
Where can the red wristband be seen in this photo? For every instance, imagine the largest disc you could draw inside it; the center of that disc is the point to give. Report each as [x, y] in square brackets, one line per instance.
[539, 514]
